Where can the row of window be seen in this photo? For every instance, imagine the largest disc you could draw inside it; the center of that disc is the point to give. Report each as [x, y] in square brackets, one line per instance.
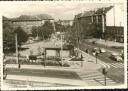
[115, 31]
[97, 18]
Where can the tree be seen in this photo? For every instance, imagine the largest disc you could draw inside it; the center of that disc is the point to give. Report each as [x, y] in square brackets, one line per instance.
[8, 36]
[21, 35]
[59, 27]
[34, 31]
[71, 36]
[45, 31]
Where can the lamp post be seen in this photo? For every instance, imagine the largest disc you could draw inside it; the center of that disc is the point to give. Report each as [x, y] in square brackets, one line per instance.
[103, 28]
[81, 60]
[96, 56]
[17, 53]
[61, 48]
[104, 71]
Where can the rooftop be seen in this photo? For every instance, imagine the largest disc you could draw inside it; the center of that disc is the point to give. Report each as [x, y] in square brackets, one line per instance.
[97, 11]
[30, 17]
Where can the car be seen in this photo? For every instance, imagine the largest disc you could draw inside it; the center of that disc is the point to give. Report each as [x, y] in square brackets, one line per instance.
[97, 50]
[94, 53]
[93, 42]
[102, 50]
[4, 71]
[122, 54]
[116, 57]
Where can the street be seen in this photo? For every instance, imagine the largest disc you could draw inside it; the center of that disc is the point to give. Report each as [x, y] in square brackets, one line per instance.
[55, 45]
[116, 71]
[92, 76]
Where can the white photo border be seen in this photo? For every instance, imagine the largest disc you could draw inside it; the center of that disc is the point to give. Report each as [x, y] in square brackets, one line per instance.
[2, 3]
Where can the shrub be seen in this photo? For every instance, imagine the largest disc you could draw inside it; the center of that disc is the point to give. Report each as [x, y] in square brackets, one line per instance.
[54, 62]
[76, 59]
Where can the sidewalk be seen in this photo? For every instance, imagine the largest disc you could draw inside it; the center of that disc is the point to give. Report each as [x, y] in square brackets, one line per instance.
[49, 80]
[107, 42]
[89, 72]
[89, 58]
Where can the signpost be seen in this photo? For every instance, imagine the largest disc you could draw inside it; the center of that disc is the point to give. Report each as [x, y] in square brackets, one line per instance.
[81, 60]
[96, 56]
[104, 71]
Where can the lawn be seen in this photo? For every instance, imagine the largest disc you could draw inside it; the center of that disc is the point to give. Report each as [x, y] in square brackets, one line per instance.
[117, 74]
[47, 62]
[64, 74]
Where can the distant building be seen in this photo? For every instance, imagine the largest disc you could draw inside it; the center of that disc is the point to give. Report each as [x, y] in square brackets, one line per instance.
[28, 21]
[66, 22]
[106, 22]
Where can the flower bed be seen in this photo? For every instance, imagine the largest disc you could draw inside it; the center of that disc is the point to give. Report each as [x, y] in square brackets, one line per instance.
[37, 62]
[76, 59]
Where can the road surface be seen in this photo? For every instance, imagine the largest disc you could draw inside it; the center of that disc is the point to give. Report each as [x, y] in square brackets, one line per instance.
[116, 71]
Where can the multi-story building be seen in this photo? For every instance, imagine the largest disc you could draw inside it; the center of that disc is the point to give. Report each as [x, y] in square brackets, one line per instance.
[28, 21]
[106, 22]
[66, 22]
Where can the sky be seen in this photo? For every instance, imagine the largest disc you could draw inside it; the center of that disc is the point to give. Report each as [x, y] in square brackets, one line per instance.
[58, 10]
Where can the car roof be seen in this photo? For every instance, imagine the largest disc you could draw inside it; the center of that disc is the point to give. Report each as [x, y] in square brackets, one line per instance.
[115, 54]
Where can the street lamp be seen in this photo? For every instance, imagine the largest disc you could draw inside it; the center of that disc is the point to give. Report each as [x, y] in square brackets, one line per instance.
[103, 28]
[104, 71]
[61, 47]
[96, 56]
[17, 53]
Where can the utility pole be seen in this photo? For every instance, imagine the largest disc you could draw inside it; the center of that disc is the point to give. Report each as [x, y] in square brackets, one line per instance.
[78, 40]
[114, 21]
[103, 23]
[61, 49]
[78, 33]
[17, 53]
[103, 27]
[77, 28]
[44, 57]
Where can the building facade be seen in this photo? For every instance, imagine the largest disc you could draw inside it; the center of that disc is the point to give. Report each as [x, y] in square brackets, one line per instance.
[106, 22]
[66, 22]
[28, 21]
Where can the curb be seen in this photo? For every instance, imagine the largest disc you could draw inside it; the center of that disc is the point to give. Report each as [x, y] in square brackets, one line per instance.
[105, 65]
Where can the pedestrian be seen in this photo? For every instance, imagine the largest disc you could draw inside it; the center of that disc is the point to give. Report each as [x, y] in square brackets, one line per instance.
[27, 57]
[81, 57]
[39, 50]
[19, 62]
[31, 52]
[3, 56]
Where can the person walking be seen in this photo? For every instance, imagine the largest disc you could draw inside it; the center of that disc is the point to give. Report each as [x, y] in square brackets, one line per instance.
[81, 60]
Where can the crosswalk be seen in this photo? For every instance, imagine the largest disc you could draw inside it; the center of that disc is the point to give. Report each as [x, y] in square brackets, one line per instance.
[116, 65]
[25, 84]
[94, 78]
[91, 58]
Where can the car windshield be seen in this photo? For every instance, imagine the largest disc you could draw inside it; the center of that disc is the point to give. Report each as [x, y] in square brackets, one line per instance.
[115, 54]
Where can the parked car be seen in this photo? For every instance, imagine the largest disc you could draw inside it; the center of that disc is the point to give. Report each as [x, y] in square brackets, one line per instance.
[122, 54]
[97, 50]
[116, 57]
[93, 42]
[93, 53]
[102, 50]
[4, 71]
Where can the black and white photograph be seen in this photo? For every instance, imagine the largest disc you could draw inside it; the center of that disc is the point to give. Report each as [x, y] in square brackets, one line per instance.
[63, 44]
